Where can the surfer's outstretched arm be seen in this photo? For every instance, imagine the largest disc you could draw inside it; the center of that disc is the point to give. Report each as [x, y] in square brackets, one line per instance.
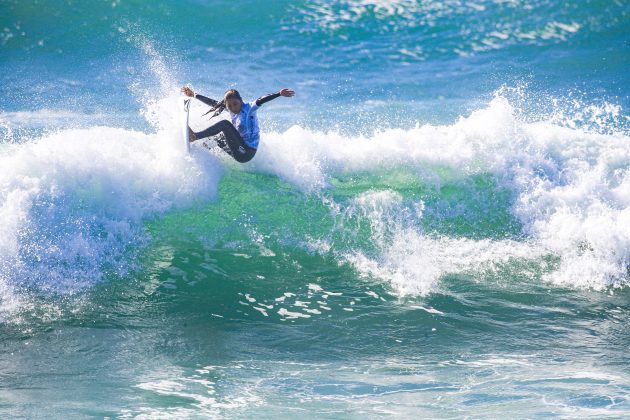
[284, 92]
[208, 101]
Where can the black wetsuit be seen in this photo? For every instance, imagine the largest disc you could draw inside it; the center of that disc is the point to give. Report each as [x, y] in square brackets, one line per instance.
[233, 144]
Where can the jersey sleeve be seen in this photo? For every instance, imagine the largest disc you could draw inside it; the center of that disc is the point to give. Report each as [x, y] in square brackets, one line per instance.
[267, 98]
[206, 100]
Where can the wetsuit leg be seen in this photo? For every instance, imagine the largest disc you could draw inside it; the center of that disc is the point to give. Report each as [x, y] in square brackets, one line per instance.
[234, 144]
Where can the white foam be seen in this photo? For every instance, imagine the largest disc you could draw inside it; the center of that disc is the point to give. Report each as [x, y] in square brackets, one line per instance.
[47, 117]
[285, 313]
[429, 310]
[414, 263]
[571, 192]
[73, 201]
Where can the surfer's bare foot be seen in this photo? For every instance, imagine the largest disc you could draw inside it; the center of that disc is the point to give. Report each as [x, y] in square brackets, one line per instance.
[192, 135]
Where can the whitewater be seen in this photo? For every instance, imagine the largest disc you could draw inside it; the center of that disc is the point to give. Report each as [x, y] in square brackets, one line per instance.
[75, 200]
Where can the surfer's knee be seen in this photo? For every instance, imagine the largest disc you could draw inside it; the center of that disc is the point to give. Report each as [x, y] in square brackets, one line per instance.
[223, 123]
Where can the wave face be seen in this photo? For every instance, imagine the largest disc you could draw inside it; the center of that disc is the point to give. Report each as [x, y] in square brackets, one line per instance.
[74, 200]
[438, 222]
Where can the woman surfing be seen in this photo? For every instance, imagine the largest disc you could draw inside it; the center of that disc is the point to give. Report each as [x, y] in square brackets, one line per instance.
[243, 133]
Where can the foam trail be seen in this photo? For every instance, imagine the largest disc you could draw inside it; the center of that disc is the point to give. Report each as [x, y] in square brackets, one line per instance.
[411, 260]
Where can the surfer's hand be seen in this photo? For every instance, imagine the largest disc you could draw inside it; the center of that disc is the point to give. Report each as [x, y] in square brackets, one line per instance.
[188, 91]
[287, 92]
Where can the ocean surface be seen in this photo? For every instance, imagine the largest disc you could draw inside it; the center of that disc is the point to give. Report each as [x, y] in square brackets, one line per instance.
[437, 225]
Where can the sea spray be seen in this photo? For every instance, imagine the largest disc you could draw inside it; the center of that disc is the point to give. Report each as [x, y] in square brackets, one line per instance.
[74, 201]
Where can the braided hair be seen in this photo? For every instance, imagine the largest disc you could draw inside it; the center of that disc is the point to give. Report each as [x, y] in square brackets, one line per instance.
[220, 106]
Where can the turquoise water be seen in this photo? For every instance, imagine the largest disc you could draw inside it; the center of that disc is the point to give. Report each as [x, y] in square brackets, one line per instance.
[436, 225]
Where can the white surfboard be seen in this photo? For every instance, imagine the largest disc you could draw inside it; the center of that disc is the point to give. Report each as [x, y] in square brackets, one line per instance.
[185, 119]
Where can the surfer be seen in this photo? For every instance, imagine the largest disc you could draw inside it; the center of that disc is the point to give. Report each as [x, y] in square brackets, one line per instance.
[242, 134]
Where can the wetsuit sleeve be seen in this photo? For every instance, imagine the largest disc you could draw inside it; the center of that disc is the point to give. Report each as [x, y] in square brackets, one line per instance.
[206, 100]
[267, 98]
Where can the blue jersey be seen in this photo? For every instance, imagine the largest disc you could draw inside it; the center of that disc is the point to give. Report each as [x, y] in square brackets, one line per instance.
[246, 122]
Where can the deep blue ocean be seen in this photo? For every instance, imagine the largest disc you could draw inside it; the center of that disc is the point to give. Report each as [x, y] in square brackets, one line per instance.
[437, 225]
